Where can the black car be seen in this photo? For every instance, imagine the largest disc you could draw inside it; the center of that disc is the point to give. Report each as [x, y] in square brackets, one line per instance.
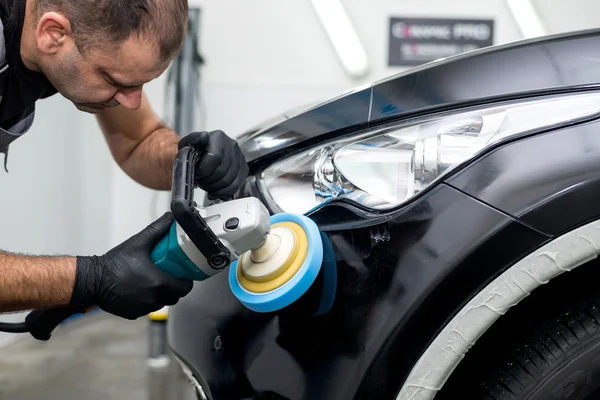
[453, 198]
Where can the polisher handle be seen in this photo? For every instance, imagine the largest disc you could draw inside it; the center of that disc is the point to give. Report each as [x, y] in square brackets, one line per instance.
[186, 214]
[41, 323]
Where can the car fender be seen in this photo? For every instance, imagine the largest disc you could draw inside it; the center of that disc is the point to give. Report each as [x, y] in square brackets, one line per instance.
[399, 280]
[550, 182]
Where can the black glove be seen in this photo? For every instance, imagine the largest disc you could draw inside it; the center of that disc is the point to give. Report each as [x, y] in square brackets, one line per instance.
[125, 282]
[222, 168]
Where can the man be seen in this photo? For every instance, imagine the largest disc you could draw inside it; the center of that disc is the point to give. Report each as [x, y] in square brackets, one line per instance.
[98, 54]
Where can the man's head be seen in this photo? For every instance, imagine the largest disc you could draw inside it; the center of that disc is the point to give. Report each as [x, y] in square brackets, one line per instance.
[99, 53]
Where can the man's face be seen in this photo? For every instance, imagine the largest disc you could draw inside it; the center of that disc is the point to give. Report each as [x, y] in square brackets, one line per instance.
[104, 77]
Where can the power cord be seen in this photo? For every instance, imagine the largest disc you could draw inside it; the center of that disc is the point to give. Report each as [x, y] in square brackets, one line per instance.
[18, 327]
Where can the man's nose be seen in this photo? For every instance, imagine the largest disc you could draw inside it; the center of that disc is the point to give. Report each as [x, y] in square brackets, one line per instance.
[129, 98]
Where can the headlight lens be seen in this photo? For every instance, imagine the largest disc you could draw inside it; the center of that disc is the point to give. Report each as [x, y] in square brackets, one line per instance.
[381, 169]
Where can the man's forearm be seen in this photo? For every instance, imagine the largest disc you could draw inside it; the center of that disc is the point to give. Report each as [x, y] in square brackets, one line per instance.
[28, 282]
[151, 162]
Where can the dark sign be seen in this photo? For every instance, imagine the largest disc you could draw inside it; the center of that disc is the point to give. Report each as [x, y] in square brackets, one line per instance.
[415, 41]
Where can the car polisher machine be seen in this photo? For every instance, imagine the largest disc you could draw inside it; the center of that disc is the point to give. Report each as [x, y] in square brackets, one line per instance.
[274, 260]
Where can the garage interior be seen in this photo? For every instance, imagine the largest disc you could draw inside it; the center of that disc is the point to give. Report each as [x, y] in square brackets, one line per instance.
[244, 63]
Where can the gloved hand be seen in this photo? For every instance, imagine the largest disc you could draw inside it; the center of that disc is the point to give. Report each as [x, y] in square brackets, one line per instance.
[222, 168]
[125, 282]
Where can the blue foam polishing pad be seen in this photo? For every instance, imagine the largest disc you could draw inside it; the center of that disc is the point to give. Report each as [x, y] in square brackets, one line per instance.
[293, 289]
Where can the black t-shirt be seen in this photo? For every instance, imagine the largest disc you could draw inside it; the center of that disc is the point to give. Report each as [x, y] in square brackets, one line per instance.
[23, 87]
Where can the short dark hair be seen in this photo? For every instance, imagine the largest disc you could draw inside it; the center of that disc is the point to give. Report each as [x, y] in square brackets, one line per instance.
[101, 22]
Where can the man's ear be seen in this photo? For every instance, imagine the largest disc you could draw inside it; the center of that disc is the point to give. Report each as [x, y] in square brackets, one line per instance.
[53, 33]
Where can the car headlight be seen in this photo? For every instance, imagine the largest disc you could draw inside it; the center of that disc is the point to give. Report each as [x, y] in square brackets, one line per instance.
[384, 168]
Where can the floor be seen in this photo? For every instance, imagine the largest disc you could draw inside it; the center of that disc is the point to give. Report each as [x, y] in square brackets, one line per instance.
[95, 357]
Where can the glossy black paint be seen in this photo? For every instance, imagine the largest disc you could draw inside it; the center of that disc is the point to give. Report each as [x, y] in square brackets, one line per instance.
[556, 176]
[397, 283]
[516, 68]
[511, 70]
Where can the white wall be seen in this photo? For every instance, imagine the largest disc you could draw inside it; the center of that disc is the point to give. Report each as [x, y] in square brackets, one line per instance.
[271, 55]
[263, 57]
[564, 16]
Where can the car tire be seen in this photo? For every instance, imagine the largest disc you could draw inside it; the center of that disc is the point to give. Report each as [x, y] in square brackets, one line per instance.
[558, 361]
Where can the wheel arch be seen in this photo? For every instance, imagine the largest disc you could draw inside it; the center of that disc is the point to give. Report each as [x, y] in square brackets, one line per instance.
[448, 349]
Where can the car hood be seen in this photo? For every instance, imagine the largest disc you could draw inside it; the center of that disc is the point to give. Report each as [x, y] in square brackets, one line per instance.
[509, 70]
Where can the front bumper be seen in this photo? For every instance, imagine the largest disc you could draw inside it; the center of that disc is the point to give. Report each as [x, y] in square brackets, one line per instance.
[398, 280]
